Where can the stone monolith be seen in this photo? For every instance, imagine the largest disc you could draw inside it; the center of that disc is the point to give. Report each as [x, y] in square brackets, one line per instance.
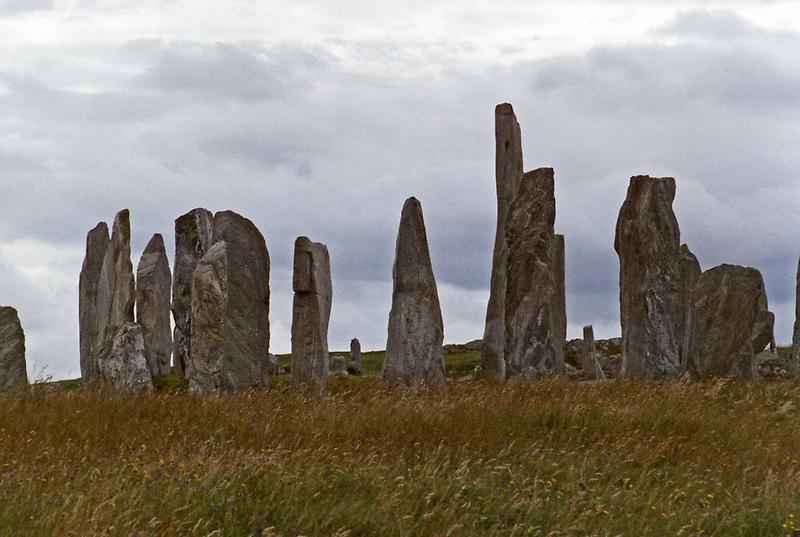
[529, 339]
[508, 177]
[690, 272]
[311, 312]
[97, 242]
[354, 367]
[732, 322]
[648, 242]
[414, 348]
[589, 358]
[153, 286]
[125, 367]
[194, 234]
[13, 372]
[559, 304]
[794, 360]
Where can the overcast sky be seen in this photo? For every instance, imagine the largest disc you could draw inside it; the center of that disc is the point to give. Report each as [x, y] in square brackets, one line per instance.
[319, 118]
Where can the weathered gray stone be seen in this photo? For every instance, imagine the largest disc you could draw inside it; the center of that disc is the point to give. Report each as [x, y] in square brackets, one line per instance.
[414, 349]
[589, 358]
[529, 345]
[13, 372]
[559, 303]
[97, 242]
[794, 361]
[125, 367]
[508, 177]
[230, 310]
[116, 289]
[648, 242]
[690, 273]
[338, 365]
[311, 312]
[355, 357]
[731, 321]
[194, 235]
[153, 285]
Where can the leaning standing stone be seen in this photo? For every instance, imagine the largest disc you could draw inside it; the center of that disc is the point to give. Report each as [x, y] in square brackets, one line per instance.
[355, 357]
[589, 361]
[648, 242]
[153, 284]
[310, 313]
[414, 350]
[97, 242]
[529, 346]
[508, 177]
[13, 372]
[559, 304]
[194, 234]
[125, 367]
[690, 274]
[794, 362]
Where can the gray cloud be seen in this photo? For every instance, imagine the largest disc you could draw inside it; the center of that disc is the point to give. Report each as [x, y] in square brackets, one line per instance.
[15, 7]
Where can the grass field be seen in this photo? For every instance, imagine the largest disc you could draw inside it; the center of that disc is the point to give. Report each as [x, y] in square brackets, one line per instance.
[557, 458]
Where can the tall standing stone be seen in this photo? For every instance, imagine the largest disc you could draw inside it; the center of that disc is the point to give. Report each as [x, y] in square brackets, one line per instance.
[690, 274]
[508, 177]
[794, 362]
[648, 241]
[589, 360]
[13, 372]
[559, 304]
[194, 234]
[355, 356]
[311, 312]
[732, 322]
[230, 310]
[414, 350]
[530, 282]
[97, 242]
[153, 285]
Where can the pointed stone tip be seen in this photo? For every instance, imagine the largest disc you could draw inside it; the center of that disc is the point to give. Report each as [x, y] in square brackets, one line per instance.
[412, 203]
[155, 244]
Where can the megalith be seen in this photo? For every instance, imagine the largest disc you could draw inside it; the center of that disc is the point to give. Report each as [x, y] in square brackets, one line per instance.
[13, 372]
[311, 312]
[194, 234]
[559, 304]
[508, 177]
[529, 339]
[732, 322]
[648, 244]
[153, 286]
[97, 242]
[589, 359]
[690, 273]
[125, 368]
[354, 366]
[794, 361]
[414, 348]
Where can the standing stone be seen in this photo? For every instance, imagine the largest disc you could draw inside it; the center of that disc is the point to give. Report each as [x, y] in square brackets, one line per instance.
[153, 284]
[97, 242]
[339, 365]
[310, 313]
[794, 362]
[125, 367]
[508, 177]
[732, 322]
[690, 274]
[194, 234]
[648, 242]
[589, 360]
[559, 304]
[530, 342]
[414, 349]
[355, 357]
[13, 372]
[116, 289]
[230, 310]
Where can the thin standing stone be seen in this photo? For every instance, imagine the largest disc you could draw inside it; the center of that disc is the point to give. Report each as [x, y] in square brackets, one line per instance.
[97, 242]
[153, 286]
[13, 371]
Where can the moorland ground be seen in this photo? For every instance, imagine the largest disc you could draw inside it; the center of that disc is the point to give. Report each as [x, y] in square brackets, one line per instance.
[557, 458]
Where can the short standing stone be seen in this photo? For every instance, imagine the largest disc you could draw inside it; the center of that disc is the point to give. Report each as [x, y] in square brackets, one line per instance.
[311, 312]
[529, 346]
[794, 362]
[125, 368]
[414, 349]
[153, 284]
[13, 372]
[690, 273]
[338, 365]
[732, 322]
[354, 367]
[194, 234]
[508, 177]
[589, 360]
[648, 242]
[273, 368]
[97, 242]
[559, 304]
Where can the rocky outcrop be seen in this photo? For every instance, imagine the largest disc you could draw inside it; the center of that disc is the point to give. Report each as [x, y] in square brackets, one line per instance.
[690, 274]
[508, 176]
[125, 368]
[794, 360]
[13, 372]
[648, 241]
[589, 358]
[529, 340]
[97, 242]
[230, 310]
[311, 312]
[559, 303]
[153, 285]
[354, 367]
[194, 234]
[731, 321]
[414, 351]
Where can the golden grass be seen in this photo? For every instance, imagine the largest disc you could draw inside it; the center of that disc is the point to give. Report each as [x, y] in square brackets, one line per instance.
[472, 458]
